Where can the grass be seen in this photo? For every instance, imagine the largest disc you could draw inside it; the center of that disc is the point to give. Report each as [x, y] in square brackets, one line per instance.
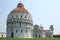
[29, 38]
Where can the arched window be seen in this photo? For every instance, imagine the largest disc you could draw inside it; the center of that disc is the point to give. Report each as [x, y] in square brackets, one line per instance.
[12, 16]
[25, 31]
[21, 16]
[20, 6]
[25, 16]
[20, 24]
[16, 16]
[26, 24]
[21, 31]
[16, 31]
[35, 35]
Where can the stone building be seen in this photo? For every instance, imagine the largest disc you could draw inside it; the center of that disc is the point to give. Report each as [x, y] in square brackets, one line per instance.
[2, 35]
[39, 32]
[20, 25]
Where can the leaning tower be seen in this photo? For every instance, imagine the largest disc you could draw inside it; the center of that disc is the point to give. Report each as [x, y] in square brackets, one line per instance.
[19, 23]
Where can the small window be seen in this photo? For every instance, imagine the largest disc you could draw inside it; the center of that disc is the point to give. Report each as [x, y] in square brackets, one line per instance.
[20, 6]
[26, 24]
[35, 35]
[21, 31]
[16, 31]
[25, 16]
[20, 24]
[16, 16]
[12, 16]
[25, 31]
[21, 16]
[29, 16]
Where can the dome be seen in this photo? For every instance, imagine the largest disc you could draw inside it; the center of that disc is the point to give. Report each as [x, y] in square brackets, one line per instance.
[20, 8]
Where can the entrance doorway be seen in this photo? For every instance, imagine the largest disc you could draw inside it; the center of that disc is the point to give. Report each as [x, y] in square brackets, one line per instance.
[12, 35]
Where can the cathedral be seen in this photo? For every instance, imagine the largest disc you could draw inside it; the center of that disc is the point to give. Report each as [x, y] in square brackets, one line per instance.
[20, 25]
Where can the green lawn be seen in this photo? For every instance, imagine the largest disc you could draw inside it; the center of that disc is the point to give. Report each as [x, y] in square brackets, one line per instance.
[29, 38]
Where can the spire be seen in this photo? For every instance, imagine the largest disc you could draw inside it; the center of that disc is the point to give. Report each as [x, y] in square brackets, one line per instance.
[51, 27]
[20, 4]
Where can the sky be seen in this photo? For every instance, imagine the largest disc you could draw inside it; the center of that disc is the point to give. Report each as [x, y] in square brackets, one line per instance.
[45, 12]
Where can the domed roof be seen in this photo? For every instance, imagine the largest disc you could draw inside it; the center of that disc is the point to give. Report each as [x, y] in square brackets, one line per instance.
[20, 8]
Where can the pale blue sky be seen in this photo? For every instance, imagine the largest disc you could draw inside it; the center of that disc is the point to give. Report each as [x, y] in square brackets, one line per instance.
[45, 12]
